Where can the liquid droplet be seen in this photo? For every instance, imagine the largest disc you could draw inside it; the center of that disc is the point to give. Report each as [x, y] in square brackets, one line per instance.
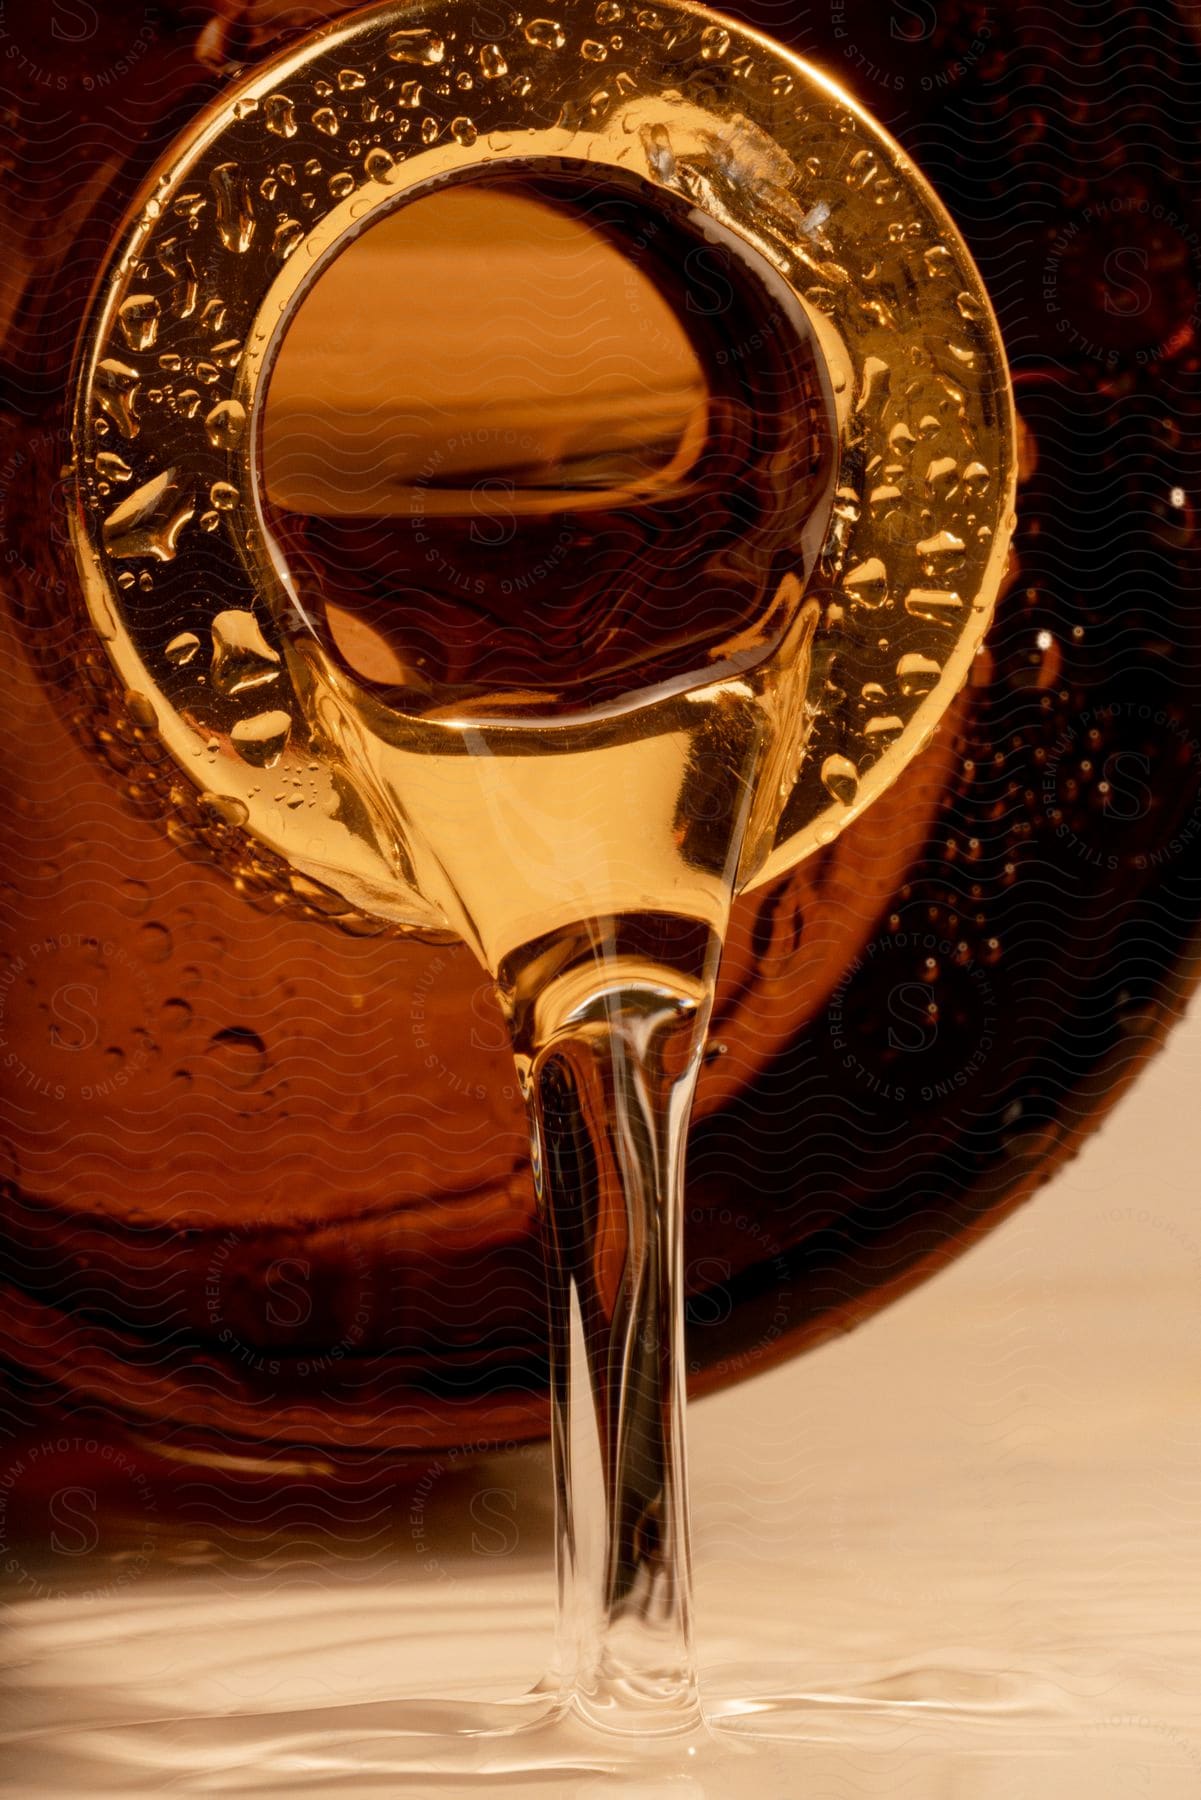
[280, 115]
[917, 675]
[941, 475]
[867, 583]
[148, 522]
[287, 235]
[155, 943]
[941, 551]
[263, 739]
[182, 649]
[933, 605]
[864, 169]
[225, 424]
[380, 165]
[139, 316]
[134, 896]
[116, 390]
[545, 34]
[341, 184]
[349, 80]
[238, 1055]
[242, 657]
[417, 46]
[492, 62]
[840, 778]
[224, 496]
[226, 809]
[463, 131]
[326, 121]
[937, 260]
[968, 307]
[113, 467]
[175, 1014]
[235, 207]
[715, 41]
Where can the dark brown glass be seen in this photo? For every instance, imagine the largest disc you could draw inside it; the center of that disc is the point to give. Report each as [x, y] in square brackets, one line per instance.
[294, 1211]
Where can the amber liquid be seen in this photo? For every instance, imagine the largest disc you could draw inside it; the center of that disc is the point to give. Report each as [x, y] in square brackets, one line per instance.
[577, 776]
[551, 674]
[638, 456]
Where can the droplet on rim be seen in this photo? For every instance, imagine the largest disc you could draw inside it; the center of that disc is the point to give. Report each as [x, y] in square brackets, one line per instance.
[227, 809]
[417, 46]
[934, 605]
[235, 208]
[116, 388]
[225, 424]
[148, 521]
[242, 657]
[280, 115]
[182, 648]
[380, 164]
[944, 547]
[262, 740]
[867, 583]
[139, 316]
[840, 778]
[917, 674]
[113, 467]
[287, 235]
[545, 34]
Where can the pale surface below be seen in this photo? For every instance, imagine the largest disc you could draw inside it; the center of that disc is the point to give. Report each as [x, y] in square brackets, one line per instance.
[980, 1516]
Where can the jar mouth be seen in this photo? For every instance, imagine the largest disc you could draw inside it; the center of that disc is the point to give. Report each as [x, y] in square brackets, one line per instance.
[595, 464]
[192, 597]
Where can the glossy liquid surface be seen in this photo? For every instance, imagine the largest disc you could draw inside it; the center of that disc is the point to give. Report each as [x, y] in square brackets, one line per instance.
[574, 779]
[552, 641]
[532, 446]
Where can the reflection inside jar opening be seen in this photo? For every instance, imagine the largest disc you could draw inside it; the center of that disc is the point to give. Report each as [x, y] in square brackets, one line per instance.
[537, 442]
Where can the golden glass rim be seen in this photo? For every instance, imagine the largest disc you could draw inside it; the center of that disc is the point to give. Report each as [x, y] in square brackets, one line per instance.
[219, 249]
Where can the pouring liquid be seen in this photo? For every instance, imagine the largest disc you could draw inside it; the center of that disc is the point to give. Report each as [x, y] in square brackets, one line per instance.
[576, 761]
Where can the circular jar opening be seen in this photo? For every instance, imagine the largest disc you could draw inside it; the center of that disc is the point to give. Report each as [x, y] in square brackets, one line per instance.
[537, 442]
